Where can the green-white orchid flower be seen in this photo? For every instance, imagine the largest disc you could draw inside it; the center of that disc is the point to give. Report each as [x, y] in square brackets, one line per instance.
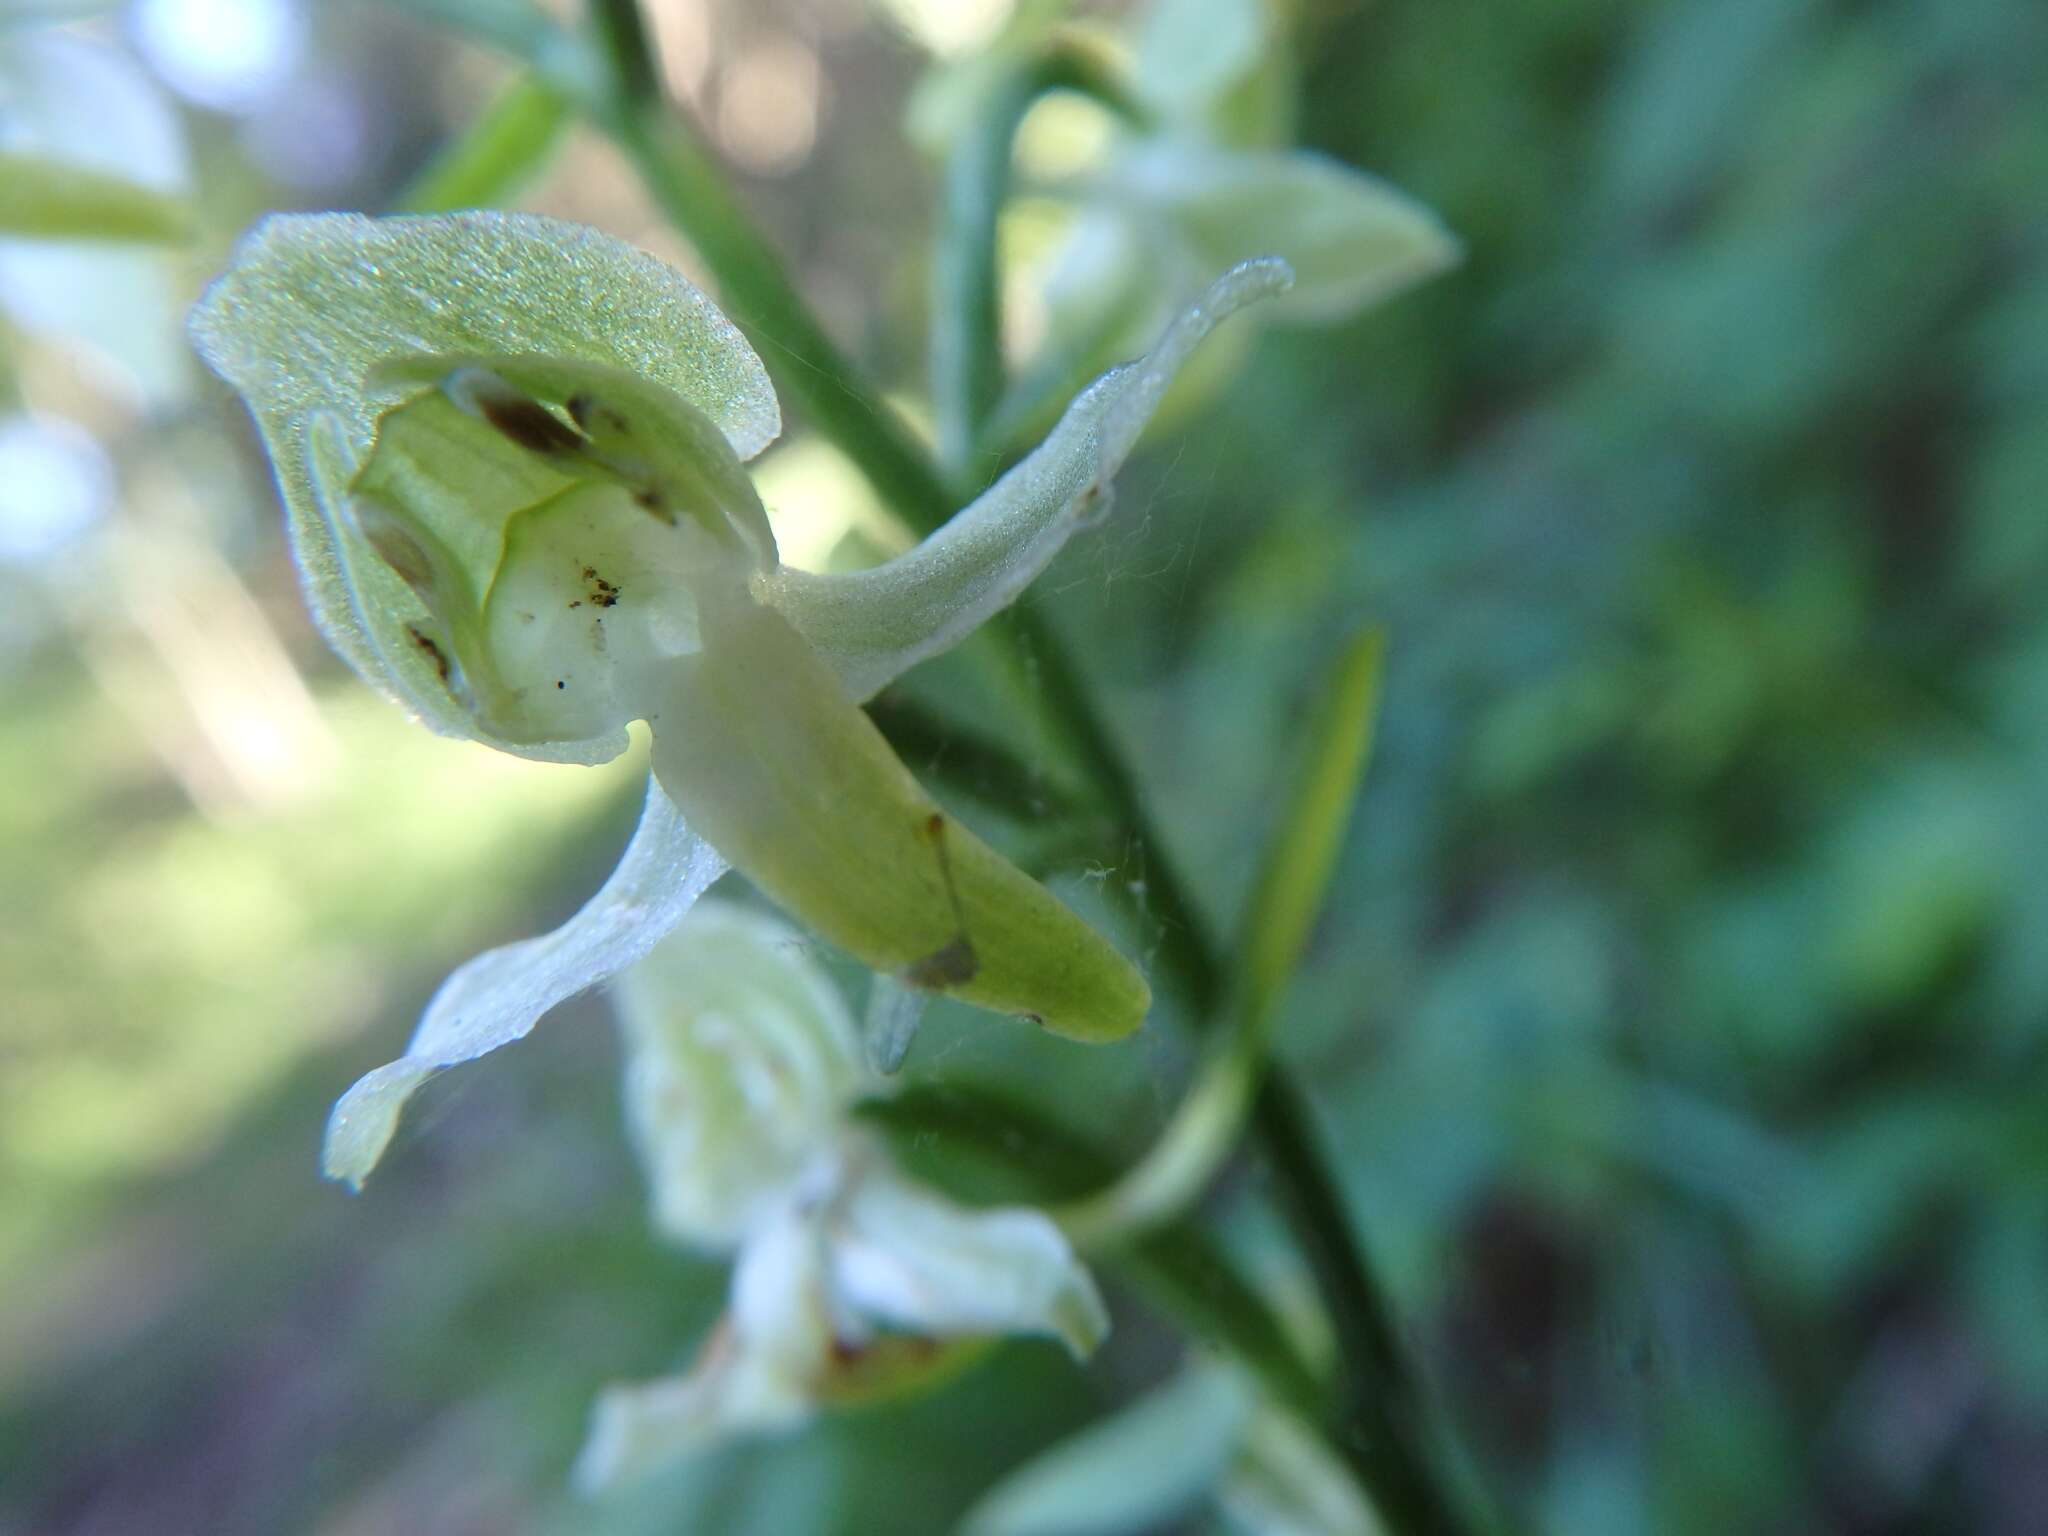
[850, 1281]
[510, 453]
[1194, 176]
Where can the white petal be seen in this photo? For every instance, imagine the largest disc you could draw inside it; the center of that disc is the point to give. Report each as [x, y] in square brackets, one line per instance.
[1104, 292]
[911, 1259]
[495, 998]
[871, 625]
[742, 1059]
[1191, 53]
[890, 1024]
[758, 1374]
[635, 1430]
[781, 1313]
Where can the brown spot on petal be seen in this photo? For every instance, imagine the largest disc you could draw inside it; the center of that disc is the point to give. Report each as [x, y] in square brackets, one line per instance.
[427, 643]
[586, 410]
[654, 504]
[528, 423]
[952, 964]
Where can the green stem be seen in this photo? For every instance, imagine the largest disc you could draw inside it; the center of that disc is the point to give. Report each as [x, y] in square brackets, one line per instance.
[1384, 1426]
[754, 286]
[967, 364]
[505, 148]
[1294, 878]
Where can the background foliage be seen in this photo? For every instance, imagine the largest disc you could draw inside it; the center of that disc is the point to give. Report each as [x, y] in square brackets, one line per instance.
[1680, 1013]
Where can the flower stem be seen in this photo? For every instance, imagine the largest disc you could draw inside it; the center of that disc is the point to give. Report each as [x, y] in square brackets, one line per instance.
[754, 286]
[1386, 1427]
[503, 149]
[1384, 1422]
[967, 364]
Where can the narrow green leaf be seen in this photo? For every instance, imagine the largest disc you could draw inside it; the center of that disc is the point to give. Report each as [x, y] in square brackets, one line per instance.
[504, 149]
[1304, 847]
[51, 200]
[91, 149]
[1283, 908]
[1178, 1166]
[1137, 1470]
[1286, 1479]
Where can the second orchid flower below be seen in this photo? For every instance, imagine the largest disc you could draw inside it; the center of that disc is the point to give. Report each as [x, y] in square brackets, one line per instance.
[850, 1281]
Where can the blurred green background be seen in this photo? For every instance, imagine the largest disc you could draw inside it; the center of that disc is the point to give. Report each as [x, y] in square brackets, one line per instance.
[1681, 1016]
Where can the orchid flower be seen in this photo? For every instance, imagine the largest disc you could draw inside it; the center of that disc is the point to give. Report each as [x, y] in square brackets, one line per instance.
[1210, 173]
[1193, 176]
[850, 1281]
[510, 451]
